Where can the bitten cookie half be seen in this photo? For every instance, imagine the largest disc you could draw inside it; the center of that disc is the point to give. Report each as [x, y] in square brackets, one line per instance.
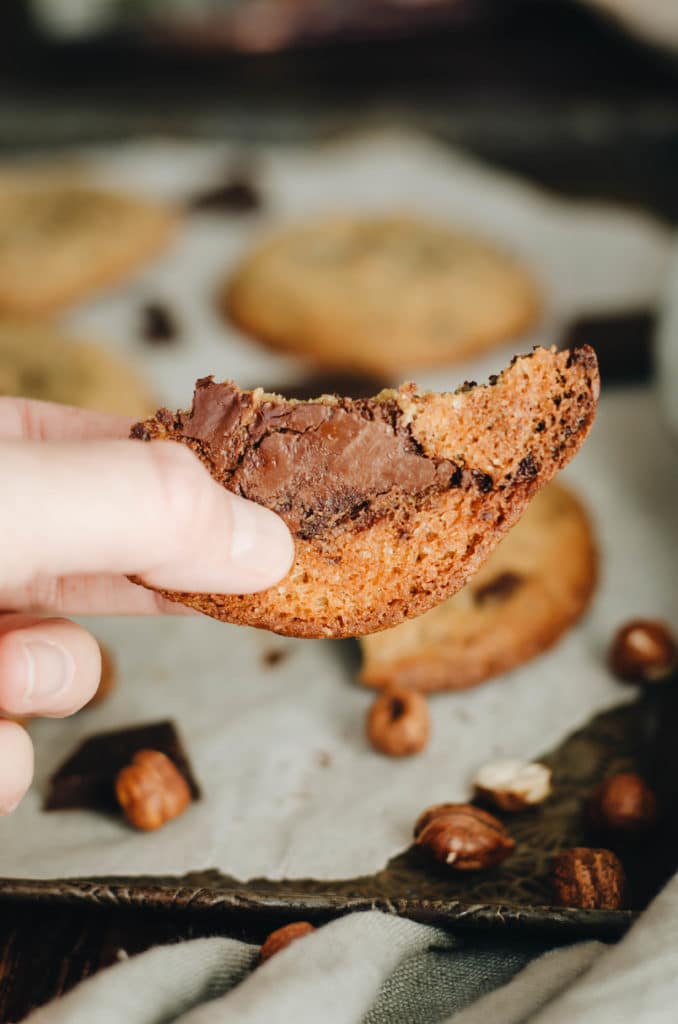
[382, 294]
[393, 501]
[60, 242]
[535, 585]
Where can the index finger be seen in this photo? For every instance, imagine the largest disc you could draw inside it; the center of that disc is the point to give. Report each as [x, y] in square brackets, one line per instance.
[25, 419]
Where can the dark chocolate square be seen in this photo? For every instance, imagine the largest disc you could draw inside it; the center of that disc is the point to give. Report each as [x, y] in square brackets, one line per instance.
[86, 779]
[623, 343]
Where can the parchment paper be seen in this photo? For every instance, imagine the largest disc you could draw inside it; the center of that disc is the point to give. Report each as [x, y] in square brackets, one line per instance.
[291, 788]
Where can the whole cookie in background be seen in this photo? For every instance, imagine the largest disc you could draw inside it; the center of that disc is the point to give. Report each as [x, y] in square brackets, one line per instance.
[381, 294]
[533, 587]
[60, 242]
[393, 501]
[38, 361]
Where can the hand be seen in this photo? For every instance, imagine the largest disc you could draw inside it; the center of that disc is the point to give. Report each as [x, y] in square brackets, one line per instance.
[80, 508]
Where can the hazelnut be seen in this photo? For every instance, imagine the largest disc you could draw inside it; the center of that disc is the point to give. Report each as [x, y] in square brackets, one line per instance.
[282, 937]
[513, 785]
[398, 722]
[435, 811]
[151, 790]
[463, 837]
[644, 651]
[588, 879]
[623, 803]
[107, 680]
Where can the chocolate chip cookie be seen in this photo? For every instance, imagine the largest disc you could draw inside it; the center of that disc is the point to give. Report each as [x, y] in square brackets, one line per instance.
[382, 294]
[532, 588]
[38, 361]
[61, 242]
[393, 501]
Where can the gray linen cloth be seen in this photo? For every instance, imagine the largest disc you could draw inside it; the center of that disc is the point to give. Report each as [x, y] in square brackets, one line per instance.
[376, 968]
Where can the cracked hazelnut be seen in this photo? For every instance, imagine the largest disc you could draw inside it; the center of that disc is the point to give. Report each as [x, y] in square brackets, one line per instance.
[398, 722]
[512, 784]
[283, 937]
[108, 677]
[588, 879]
[623, 803]
[644, 651]
[151, 790]
[463, 837]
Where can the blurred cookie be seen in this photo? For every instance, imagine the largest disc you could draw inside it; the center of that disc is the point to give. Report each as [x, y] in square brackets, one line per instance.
[532, 588]
[60, 242]
[393, 501]
[37, 361]
[381, 294]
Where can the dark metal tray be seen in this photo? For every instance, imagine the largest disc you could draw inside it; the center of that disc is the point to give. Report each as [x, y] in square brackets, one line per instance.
[639, 736]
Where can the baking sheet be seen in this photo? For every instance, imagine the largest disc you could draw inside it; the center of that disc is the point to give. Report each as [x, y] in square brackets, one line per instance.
[292, 790]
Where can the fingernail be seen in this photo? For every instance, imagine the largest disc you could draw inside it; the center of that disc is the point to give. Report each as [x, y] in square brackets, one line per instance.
[262, 549]
[50, 670]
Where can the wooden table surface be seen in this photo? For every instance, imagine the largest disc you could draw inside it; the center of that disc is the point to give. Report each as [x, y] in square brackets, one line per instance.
[555, 95]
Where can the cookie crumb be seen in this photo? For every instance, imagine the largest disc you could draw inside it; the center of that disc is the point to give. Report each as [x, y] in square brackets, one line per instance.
[273, 657]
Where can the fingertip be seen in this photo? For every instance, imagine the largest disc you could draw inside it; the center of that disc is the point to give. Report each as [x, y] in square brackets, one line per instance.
[262, 548]
[216, 541]
[48, 667]
[16, 765]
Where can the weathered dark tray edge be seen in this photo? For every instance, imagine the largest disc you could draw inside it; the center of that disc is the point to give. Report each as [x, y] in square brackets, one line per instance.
[171, 894]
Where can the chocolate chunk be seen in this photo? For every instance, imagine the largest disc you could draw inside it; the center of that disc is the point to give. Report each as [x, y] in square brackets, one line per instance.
[527, 468]
[622, 343]
[331, 384]
[498, 589]
[86, 779]
[158, 325]
[236, 195]
[483, 481]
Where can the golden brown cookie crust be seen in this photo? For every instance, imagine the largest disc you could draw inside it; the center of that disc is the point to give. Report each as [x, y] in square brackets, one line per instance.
[40, 361]
[533, 587]
[380, 294]
[61, 242]
[368, 557]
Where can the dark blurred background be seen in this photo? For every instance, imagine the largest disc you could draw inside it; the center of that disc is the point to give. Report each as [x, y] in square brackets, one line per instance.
[564, 92]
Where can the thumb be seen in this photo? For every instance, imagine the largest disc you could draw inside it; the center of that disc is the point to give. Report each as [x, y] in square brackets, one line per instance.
[125, 507]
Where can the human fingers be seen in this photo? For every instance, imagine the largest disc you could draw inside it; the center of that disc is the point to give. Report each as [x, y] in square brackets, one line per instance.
[127, 507]
[16, 765]
[99, 594]
[24, 419]
[48, 667]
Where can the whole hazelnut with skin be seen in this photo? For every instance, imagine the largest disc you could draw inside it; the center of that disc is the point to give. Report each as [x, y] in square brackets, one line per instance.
[283, 937]
[151, 790]
[624, 804]
[435, 811]
[398, 723]
[463, 837]
[644, 651]
[588, 879]
[513, 785]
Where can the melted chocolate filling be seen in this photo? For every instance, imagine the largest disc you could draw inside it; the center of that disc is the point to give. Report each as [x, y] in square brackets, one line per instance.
[316, 465]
